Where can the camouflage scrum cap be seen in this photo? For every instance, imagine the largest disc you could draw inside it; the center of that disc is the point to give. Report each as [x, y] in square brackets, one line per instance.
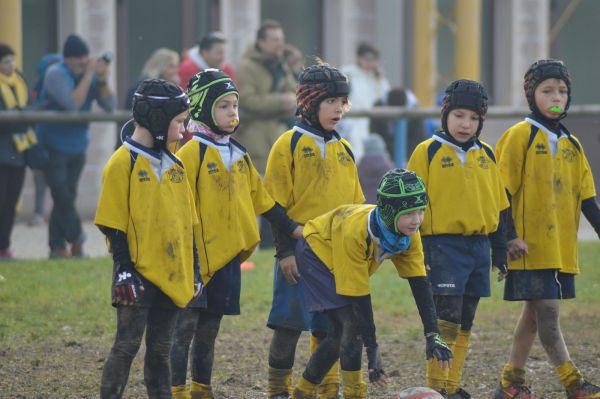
[400, 191]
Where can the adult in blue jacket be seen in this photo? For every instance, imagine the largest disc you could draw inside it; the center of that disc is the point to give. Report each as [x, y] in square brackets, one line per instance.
[70, 85]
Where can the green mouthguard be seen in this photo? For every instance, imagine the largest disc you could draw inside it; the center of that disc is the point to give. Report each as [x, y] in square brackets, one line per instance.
[556, 109]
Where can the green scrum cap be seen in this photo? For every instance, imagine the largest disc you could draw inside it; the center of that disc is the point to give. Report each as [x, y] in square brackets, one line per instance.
[400, 191]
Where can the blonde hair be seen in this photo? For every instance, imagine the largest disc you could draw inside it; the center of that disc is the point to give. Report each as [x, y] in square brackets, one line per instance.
[158, 62]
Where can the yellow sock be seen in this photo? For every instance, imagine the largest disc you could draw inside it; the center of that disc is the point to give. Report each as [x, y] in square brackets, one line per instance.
[304, 390]
[329, 387]
[437, 377]
[201, 391]
[459, 352]
[354, 386]
[279, 382]
[569, 375]
[181, 392]
[512, 376]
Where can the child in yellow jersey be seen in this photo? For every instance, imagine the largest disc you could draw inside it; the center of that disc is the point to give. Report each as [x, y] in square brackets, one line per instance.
[549, 181]
[228, 194]
[462, 222]
[146, 210]
[340, 251]
[310, 171]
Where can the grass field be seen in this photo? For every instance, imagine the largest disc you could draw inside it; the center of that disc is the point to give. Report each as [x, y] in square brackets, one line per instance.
[57, 326]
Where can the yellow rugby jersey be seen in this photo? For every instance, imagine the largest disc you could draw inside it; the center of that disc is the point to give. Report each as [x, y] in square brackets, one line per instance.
[314, 176]
[229, 194]
[153, 203]
[547, 190]
[342, 241]
[465, 190]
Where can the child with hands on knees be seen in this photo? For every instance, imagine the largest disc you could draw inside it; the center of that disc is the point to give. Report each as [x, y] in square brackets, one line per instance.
[549, 182]
[339, 252]
[310, 171]
[463, 222]
[146, 210]
[228, 195]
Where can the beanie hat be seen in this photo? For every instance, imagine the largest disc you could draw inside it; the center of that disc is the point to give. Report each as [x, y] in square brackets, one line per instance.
[205, 89]
[540, 71]
[374, 144]
[315, 84]
[400, 191]
[75, 47]
[155, 103]
[5, 50]
[467, 94]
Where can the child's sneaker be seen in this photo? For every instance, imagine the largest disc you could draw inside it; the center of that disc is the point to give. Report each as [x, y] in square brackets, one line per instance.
[514, 392]
[586, 390]
[5, 254]
[459, 394]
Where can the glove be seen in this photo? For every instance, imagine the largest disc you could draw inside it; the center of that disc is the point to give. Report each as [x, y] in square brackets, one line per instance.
[376, 371]
[127, 284]
[437, 347]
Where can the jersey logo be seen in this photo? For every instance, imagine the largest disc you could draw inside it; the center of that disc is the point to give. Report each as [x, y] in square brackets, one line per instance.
[568, 154]
[143, 176]
[175, 175]
[212, 168]
[540, 149]
[343, 158]
[447, 162]
[241, 164]
[308, 152]
[446, 285]
[483, 162]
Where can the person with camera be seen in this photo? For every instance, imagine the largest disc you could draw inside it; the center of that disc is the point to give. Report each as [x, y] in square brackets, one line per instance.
[72, 84]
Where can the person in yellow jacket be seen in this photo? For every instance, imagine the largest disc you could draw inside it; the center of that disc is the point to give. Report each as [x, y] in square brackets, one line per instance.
[146, 210]
[462, 222]
[548, 178]
[310, 171]
[339, 252]
[228, 195]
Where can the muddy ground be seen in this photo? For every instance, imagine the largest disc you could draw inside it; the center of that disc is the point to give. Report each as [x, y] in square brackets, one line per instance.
[70, 367]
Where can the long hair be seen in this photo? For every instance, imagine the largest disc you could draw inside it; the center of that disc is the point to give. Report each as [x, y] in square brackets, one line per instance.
[158, 62]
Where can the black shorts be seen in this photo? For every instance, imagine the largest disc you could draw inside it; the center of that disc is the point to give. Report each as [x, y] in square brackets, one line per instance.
[528, 285]
[221, 296]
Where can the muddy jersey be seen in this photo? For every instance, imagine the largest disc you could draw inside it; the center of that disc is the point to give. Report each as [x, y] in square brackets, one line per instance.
[146, 195]
[465, 190]
[341, 239]
[229, 194]
[309, 175]
[547, 176]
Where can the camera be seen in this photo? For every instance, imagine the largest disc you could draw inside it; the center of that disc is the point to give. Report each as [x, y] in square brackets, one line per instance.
[107, 57]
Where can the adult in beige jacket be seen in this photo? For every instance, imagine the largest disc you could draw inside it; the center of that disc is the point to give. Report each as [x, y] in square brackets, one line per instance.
[267, 93]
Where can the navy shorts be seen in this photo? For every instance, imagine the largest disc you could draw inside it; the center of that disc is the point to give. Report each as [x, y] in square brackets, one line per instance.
[528, 285]
[460, 265]
[316, 281]
[221, 296]
[289, 309]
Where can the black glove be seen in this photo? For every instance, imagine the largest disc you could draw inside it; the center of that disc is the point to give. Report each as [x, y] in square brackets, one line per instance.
[127, 283]
[375, 365]
[437, 347]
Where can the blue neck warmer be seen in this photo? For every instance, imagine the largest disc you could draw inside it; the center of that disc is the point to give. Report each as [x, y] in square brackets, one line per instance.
[390, 242]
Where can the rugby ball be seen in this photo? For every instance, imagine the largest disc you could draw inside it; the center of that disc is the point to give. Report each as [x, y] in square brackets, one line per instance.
[419, 393]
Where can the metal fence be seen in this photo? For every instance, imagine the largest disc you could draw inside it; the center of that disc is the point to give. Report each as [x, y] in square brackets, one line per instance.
[376, 112]
[398, 115]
